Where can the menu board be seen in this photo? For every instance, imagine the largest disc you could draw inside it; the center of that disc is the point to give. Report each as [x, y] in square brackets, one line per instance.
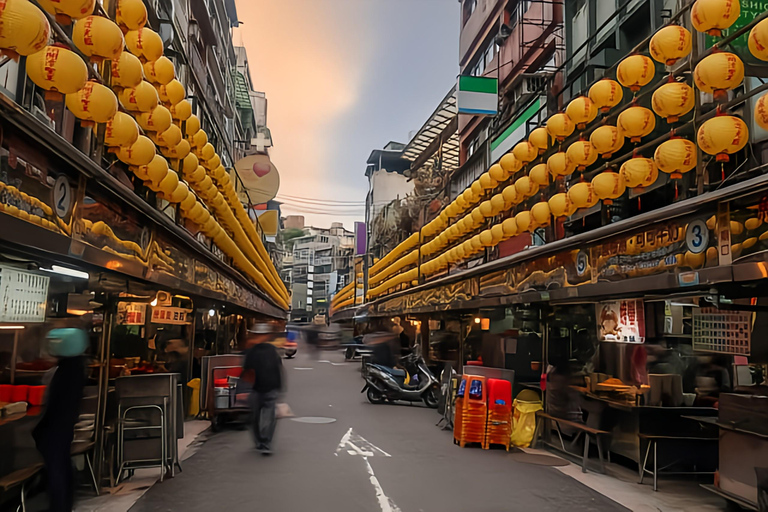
[23, 296]
[621, 320]
[170, 316]
[131, 313]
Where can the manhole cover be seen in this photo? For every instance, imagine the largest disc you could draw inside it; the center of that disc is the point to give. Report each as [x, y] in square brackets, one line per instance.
[313, 419]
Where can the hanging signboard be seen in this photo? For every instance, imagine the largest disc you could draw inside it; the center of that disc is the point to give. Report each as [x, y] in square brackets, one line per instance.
[131, 313]
[621, 320]
[170, 316]
[477, 95]
[23, 296]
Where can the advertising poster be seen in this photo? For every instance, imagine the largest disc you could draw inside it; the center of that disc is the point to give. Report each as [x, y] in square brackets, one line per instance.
[621, 320]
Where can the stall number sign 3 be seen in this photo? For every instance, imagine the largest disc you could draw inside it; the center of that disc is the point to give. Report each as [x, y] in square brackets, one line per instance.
[697, 237]
[62, 197]
[172, 316]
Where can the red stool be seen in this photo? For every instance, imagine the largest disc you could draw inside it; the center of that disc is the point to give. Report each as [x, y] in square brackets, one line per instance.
[6, 390]
[19, 393]
[499, 427]
[36, 395]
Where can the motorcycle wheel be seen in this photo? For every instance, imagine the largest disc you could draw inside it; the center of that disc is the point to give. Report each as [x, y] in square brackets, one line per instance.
[431, 398]
[349, 353]
[289, 355]
[374, 396]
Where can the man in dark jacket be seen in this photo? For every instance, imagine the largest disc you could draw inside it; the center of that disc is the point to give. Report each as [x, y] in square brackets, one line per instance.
[54, 433]
[264, 368]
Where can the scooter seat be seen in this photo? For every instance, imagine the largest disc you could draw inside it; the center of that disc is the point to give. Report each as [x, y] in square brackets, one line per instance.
[392, 371]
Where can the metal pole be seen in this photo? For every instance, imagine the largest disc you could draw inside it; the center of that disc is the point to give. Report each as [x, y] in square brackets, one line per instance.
[103, 393]
[14, 355]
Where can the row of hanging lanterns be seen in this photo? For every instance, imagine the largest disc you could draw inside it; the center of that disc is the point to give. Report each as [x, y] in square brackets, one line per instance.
[719, 136]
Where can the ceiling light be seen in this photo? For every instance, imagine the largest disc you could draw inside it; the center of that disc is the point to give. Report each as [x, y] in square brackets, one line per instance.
[70, 272]
[11, 327]
[154, 302]
[211, 312]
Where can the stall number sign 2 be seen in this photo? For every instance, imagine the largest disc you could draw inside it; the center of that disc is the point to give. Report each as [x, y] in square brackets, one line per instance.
[62, 197]
[172, 316]
[23, 296]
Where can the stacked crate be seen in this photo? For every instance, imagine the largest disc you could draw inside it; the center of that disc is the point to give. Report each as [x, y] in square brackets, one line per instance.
[499, 427]
[458, 410]
[472, 416]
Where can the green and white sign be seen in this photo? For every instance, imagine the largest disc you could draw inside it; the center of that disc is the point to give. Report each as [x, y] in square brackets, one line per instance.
[516, 131]
[477, 95]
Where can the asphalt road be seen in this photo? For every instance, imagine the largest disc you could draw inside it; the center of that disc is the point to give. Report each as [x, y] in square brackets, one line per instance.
[396, 460]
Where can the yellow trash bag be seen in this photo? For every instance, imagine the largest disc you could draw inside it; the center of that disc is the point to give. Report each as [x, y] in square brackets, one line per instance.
[194, 399]
[523, 422]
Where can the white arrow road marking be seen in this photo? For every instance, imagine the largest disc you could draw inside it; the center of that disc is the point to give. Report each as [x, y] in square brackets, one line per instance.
[355, 444]
[385, 502]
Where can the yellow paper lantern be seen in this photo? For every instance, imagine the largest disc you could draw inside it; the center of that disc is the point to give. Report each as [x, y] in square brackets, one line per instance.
[486, 182]
[525, 152]
[469, 197]
[188, 202]
[168, 138]
[510, 195]
[497, 173]
[540, 175]
[189, 165]
[130, 14]
[498, 203]
[510, 164]
[156, 170]
[526, 187]
[142, 98]
[181, 111]
[761, 112]
[560, 165]
[214, 163]
[139, 153]
[539, 138]
[57, 69]
[451, 210]
[497, 232]
[121, 130]
[156, 121]
[636, 122]
[510, 227]
[199, 175]
[669, 44]
[126, 71]
[758, 40]
[25, 29]
[94, 103]
[719, 72]
[639, 172]
[468, 222]
[722, 136]
[524, 222]
[172, 93]
[199, 139]
[177, 152]
[68, 10]
[608, 185]
[99, 38]
[606, 94]
[560, 126]
[477, 189]
[179, 194]
[160, 71]
[461, 203]
[477, 217]
[635, 72]
[714, 16]
[487, 209]
[191, 127]
[144, 43]
[582, 153]
[561, 206]
[607, 140]
[476, 243]
[582, 195]
[581, 111]
[206, 152]
[168, 185]
[673, 100]
[486, 238]
[676, 157]
[541, 214]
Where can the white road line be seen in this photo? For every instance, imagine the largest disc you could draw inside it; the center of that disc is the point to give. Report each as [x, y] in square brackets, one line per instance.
[385, 503]
[303, 368]
[344, 440]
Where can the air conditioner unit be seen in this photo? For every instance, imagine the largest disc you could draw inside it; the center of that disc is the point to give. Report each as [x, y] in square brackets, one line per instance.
[528, 85]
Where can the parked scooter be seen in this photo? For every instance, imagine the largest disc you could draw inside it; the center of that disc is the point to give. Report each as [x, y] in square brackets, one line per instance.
[415, 384]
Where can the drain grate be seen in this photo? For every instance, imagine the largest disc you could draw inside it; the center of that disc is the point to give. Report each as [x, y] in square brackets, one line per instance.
[314, 419]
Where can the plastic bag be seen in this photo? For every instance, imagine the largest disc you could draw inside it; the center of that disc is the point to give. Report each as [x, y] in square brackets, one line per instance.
[523, 422]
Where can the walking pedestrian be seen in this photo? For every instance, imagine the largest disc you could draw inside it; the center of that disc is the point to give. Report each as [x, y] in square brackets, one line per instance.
[54, 433]
[263, 366]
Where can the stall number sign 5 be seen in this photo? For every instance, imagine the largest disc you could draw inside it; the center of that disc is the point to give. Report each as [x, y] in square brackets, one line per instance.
[697, 236]
[62, 197]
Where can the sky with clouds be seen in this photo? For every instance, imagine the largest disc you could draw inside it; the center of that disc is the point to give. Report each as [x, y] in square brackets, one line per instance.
[344, 77]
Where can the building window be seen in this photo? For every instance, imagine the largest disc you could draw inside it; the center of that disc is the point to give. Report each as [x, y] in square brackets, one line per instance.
[323, 239]
[469, 8]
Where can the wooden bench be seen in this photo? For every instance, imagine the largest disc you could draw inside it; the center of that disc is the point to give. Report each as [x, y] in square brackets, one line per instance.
[653, 441]
[582, 429]
[21, 478]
